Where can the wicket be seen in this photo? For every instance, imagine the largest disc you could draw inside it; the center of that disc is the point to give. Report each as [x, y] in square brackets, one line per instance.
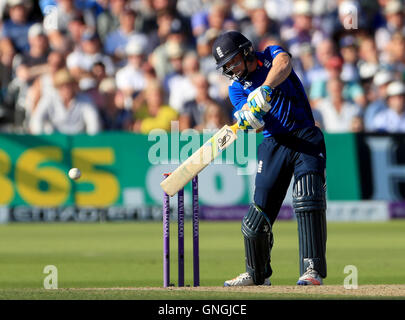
[180, 222]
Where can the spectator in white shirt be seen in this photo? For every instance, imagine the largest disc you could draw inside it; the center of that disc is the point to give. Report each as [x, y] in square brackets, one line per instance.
[392, 119]
[337, 114]
[68, 112]
[116, 41]
[80, 62]
[130, 79]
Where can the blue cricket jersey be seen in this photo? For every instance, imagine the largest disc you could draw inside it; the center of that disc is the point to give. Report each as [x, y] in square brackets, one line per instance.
[290, 109]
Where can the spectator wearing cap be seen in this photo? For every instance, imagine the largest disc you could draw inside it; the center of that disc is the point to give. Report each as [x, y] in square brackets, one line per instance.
[130, 78]
[17, 26]
[394, 17]
[71, 112]
[337, 113]
[381, 81]
[154, 113]
[116, 41]
[80, 62]
[114, 115]
[392, 119]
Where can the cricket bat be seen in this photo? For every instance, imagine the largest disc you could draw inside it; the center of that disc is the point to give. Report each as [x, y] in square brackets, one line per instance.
[199, 160]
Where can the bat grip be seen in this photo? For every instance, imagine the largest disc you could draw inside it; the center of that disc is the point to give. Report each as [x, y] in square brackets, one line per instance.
[234, 127]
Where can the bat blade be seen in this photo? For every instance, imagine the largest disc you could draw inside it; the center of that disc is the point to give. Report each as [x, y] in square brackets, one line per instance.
[199, 160]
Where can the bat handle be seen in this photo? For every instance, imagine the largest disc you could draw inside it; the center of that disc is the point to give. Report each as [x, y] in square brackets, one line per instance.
[234, 127]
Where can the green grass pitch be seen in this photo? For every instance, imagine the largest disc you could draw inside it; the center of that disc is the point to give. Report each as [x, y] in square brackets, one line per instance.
[128, 255]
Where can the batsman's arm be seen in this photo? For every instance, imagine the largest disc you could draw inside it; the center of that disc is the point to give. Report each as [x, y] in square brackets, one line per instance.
[279, 71]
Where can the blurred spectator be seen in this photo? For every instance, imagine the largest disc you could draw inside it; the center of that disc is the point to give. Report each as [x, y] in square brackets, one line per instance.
[171, 5]
[154, 114]
[214, 117]
[204, 45]
[323, 53]
[368, 54]
[71, 112]
[76, 27]
[17, 26]
[337, 113]
[395, 53]
[165, 19]
[380, 82]
[80, 62]
[392, 119]
[146, 19]
[159, 58]
[28, 67]
[279, 10]
[353, 40]
[349, 53]
[108, 21]
[116, 41]
[7, 53]
[43, 85]
[394, 17]
[193, 113]
[114, 115]
[299, 29]
[217, 16]
[259, 26]
[303, 64]
[179, 85]
[98, 72]
[89, 86]
[130, 79]
[352, 91]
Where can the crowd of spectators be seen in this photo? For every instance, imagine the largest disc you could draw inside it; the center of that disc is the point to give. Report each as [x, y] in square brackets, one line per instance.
[84, 66]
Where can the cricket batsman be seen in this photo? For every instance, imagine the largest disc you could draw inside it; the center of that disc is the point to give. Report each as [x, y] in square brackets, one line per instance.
[267, 95]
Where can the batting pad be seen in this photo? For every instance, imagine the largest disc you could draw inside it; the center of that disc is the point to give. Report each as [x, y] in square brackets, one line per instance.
[310, 207]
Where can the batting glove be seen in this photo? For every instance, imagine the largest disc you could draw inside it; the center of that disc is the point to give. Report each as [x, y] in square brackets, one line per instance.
[247, 121]
[259, 100]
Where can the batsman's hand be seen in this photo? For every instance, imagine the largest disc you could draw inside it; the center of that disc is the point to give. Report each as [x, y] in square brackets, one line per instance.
[259, 100]
[247, 121]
